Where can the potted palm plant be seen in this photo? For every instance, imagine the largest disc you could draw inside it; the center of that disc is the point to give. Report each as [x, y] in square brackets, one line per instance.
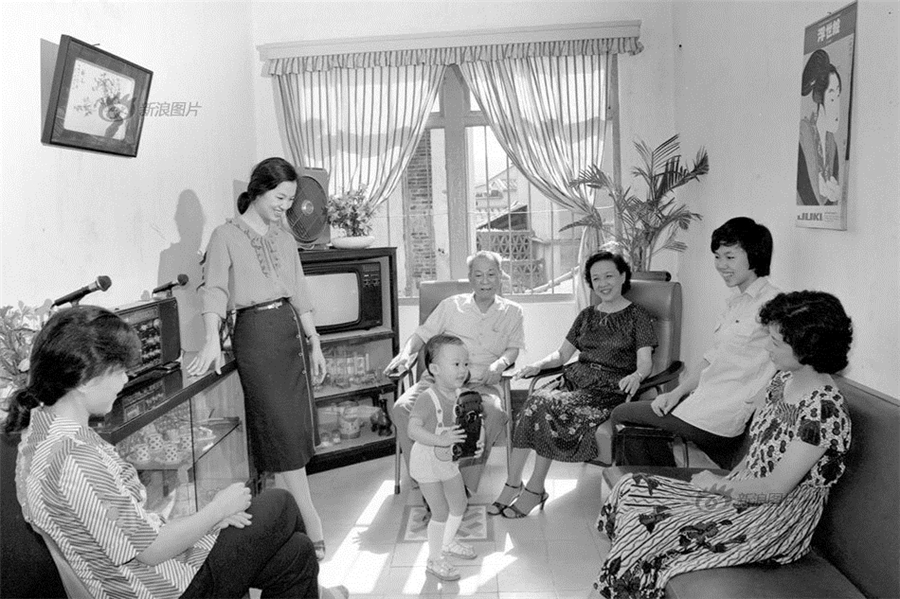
[644, 227]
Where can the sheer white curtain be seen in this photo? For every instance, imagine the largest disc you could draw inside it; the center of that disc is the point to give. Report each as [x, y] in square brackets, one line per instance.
[361, 124]
[549, 115]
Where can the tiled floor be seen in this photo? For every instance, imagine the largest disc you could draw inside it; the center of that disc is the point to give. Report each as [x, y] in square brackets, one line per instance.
[553, 554]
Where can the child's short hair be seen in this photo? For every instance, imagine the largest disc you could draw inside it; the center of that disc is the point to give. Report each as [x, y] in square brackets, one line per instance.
[754, 238]
[433, 347]
[815, 325]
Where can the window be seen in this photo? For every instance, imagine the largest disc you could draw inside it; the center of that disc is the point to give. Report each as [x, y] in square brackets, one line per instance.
[461, 192]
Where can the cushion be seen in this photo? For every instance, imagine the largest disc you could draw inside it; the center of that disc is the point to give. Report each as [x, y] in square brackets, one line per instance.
[809, 577]
[858, 530]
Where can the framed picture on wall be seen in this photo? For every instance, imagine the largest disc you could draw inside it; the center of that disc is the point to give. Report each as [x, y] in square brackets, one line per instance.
[97, 100]
[826, 96]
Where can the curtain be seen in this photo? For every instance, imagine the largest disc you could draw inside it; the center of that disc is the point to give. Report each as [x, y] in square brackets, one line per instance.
[454, 55]
[361, 124]
[549, 115]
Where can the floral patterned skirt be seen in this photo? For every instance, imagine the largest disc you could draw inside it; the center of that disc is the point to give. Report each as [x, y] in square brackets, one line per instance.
[560, 423]
[661, 527]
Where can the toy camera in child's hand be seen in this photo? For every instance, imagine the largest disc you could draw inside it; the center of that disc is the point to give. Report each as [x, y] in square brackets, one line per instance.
[469, 413]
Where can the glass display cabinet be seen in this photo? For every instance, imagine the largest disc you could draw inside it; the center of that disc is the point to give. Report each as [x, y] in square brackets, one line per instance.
[184, 435]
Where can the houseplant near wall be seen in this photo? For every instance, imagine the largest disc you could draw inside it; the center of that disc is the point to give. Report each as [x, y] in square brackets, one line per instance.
[647, 226]
[18, 327]
[352, 213]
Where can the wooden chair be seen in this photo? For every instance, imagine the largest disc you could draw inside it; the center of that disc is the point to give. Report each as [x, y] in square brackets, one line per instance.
[662, 298]
[431, 293]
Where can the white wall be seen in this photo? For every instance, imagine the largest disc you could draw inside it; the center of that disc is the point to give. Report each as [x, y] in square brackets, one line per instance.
[737, 72]
[723, 74]
[70, 215]
[646, 79]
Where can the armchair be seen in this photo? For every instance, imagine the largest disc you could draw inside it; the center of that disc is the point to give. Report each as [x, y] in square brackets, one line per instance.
[663, 300]
[431, 293]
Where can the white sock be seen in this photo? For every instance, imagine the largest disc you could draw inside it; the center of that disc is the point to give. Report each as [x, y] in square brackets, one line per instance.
[453, 523]
[435, 538]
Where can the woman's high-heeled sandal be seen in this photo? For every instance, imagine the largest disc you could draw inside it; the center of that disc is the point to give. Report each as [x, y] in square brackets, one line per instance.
[496, 508]
[513, 511]
[319, 547]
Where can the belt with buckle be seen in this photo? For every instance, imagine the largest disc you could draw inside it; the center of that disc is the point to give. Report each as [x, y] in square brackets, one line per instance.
[266, 306]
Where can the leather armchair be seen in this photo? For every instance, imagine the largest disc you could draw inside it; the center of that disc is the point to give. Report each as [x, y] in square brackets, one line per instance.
[662, 298]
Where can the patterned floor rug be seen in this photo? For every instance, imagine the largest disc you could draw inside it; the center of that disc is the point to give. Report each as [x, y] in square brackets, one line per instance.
[476, 525]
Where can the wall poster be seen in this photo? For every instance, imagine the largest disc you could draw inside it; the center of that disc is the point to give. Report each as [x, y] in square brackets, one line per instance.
[826, 93]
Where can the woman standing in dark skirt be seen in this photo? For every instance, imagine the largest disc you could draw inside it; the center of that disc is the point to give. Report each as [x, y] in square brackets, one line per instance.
[252, 266]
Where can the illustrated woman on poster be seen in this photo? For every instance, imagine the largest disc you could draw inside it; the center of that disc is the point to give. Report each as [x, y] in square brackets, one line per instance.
[818, 169]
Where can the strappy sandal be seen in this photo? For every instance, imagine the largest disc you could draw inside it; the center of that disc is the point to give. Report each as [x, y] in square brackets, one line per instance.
[460, 550]
[496, 508]
[319, 547]
[513, 511]
[442, 569]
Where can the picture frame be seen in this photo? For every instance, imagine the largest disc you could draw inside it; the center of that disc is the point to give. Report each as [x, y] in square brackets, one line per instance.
[97, 100]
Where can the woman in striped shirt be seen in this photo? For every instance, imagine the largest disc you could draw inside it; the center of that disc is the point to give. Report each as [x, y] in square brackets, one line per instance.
[75, 488]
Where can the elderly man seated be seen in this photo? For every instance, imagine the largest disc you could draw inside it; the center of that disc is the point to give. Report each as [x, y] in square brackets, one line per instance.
[492, 329]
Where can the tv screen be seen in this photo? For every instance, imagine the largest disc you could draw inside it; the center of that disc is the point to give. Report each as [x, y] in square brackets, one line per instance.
[335, 298]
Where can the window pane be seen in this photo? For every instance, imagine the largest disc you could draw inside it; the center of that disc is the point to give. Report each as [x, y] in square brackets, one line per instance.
[473, 103]
[513, 218]
[419, 228]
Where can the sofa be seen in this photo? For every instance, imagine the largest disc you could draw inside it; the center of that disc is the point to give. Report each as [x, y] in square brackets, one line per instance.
[856, 547]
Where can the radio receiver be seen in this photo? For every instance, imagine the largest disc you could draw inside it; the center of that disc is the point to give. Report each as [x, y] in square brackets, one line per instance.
[308, 216]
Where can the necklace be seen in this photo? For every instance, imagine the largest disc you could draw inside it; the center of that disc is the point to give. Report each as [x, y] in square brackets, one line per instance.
[605, 314]
[611, 309]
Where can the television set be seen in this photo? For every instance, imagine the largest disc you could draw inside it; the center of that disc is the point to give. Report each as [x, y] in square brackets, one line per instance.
[349, 295]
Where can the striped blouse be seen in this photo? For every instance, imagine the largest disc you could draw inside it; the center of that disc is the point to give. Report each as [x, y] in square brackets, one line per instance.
[243, 268]
[74, 487]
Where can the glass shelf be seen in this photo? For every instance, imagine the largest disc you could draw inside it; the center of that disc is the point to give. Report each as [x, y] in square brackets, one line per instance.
[366, 437]
[353, 365]
[194, 447]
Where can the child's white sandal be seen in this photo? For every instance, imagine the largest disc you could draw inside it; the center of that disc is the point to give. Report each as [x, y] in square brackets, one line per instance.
[461, 550]
[442, 569]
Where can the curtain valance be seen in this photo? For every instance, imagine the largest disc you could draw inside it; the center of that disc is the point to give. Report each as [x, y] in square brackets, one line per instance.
[283, 59]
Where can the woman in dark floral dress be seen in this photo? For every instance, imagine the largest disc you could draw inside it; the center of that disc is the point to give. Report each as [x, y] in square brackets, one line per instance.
[615, 340]
[767, 508]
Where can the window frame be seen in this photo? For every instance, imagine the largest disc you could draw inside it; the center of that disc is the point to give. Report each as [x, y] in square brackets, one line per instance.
[454, 117]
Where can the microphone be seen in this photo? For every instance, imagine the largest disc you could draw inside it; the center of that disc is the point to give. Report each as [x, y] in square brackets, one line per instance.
[179, 281]
[102, 283]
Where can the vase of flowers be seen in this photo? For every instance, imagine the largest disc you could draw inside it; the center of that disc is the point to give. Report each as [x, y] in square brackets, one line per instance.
[352, 213]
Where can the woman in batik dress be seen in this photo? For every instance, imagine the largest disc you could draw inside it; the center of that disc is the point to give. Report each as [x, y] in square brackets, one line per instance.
[767, 508]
